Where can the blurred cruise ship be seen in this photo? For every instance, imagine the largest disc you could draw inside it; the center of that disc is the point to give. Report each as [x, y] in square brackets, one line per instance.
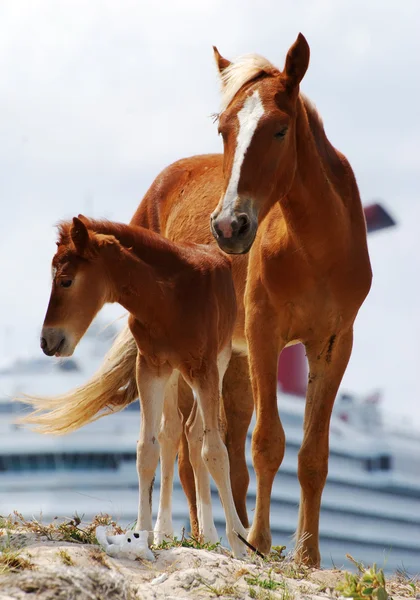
[371, 502]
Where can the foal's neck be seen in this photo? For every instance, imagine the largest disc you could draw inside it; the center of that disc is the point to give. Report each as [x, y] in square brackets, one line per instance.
[140, 269]
[152, 248]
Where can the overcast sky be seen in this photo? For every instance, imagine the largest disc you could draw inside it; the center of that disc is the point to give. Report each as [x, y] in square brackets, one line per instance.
[97, 97]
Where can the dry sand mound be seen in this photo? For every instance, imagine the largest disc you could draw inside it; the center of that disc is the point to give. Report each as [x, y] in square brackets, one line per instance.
[57, 570]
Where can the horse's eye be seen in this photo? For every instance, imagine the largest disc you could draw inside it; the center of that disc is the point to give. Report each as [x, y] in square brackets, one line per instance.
[280, 134]
[66, 283]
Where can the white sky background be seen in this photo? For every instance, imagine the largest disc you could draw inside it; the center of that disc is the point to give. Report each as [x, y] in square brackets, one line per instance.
[97, 97]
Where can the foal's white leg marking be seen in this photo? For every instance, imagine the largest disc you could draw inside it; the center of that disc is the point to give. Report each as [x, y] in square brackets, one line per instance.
[195, 434]
[169, 437]
[215, 456]
[248, 117]
[151, 391]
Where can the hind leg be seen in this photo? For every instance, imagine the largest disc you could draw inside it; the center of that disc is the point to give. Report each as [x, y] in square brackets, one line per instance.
[214, 452]
[186, 474]
[169, 438]
[195, 433]
[151, 384]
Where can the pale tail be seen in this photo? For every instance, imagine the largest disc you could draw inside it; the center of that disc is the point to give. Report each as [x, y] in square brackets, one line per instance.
[109, 390]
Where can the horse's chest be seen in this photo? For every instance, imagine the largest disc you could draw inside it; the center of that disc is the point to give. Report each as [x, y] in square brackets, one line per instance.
[154, 340]
[303, 298]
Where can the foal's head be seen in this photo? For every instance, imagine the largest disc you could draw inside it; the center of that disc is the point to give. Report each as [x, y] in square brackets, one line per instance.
[258, 126]
[79, 287]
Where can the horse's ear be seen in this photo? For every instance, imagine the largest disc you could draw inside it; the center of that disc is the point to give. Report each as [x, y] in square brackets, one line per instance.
[222, 63]
[84, 219]
[80, 236]
[297, 61]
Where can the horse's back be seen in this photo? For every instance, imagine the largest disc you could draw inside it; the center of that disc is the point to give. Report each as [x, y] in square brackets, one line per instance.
[178, 205]
[166, 207]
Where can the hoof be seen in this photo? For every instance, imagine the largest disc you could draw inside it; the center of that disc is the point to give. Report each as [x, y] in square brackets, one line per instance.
[261, 540]
[239, 549]
[210, 536]
[308, 556]
[162, 534]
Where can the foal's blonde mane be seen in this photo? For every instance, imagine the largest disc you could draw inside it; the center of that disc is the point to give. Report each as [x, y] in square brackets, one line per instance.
[238, 73]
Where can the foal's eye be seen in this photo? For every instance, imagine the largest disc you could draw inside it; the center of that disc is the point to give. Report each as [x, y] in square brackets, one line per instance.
[280, 134]
[66, 283]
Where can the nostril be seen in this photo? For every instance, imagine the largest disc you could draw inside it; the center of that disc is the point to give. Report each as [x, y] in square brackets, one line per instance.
[217, 230]
[215, 227]
[244, 225]
[43, 343]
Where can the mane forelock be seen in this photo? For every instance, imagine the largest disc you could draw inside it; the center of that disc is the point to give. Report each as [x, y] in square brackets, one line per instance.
[240, 72]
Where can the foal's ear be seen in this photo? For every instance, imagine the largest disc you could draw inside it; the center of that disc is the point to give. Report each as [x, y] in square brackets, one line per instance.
[297, 61]
[222, 63]
[84, 219]
[80, 236]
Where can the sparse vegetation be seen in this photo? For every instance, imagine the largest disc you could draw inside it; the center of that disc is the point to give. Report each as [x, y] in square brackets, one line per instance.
[99, 556]
[366, 584]
[404, 585]
[186, 542]
[12, 561]
[266, 582]
[277, 554]
[291, 570]
[68, 530]
[11, 557]
[6, 523]
[65, 558]
[222, 591]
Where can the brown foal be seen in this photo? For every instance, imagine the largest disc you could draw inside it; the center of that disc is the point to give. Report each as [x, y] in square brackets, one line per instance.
[182, 308]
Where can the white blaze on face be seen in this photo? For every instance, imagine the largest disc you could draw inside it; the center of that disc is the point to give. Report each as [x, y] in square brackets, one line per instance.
[248, 117]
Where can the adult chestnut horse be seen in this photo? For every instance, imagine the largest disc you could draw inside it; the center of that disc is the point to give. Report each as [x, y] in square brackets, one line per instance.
[283, 191]
[292, 197]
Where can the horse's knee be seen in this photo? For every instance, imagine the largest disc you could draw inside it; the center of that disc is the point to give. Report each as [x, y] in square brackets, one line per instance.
[214, 452]
[170, 433]
[148, 454]
[194, 430]
[312, 469]
[268, 445]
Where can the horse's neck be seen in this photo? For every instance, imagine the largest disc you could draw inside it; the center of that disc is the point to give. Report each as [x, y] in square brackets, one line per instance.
[136, 285]
[147, 245]
[312, 208]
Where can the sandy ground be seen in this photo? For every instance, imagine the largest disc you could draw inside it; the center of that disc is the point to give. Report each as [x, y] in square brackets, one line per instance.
[177, 573]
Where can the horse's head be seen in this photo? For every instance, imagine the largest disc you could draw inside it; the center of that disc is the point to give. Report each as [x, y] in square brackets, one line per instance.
[79, 288]
[258, 126]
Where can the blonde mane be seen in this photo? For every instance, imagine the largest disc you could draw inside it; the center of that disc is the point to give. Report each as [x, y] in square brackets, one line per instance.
[240, 72]
[245, 69]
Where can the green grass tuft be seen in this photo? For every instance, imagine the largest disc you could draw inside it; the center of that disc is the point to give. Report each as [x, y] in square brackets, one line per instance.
[366, 584]
[65, 558]
[11, 558]
[186, 542]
